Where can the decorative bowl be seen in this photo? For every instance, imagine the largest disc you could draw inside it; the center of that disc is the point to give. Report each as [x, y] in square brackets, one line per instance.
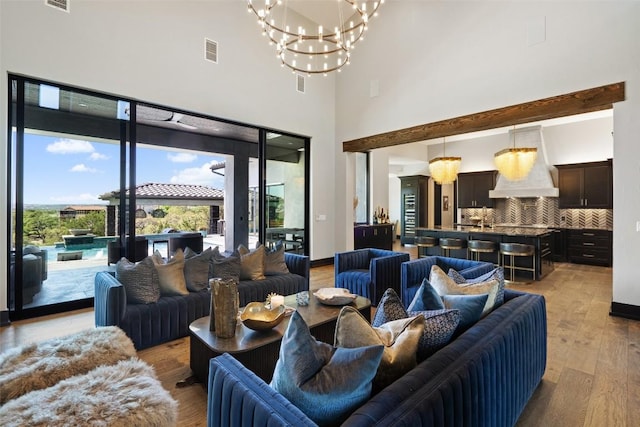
[259, 317]
[334, 296]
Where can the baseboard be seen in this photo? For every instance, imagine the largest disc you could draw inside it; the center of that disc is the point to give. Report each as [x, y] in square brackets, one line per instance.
[321, 262]
[4, 318]
[627, 311]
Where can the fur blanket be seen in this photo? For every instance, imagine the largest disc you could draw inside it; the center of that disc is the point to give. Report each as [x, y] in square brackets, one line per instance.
[44, 364]
[125, 394]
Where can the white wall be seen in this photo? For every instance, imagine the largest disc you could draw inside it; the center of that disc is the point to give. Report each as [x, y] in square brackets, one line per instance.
[153, 51]
[437, 60]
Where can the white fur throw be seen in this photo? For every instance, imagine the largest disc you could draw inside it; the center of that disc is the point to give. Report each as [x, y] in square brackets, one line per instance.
[126, 394]
[41, 365]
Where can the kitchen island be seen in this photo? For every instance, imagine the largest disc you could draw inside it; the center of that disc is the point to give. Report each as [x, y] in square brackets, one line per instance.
[540, 238]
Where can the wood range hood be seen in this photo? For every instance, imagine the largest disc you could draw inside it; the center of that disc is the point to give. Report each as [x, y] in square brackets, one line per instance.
[583, 101]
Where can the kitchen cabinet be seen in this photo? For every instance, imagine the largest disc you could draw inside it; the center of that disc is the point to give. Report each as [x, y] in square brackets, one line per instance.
[413, 206]
[586, 185]
[473, 189]
[589, 246]
[373, 236]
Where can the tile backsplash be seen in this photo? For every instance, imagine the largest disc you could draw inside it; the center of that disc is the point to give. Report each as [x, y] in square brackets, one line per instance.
[542, 210]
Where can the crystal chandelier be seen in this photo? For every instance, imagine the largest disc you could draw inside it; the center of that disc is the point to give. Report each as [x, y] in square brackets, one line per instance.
[444, 170]
[319, 50]
[515, 163]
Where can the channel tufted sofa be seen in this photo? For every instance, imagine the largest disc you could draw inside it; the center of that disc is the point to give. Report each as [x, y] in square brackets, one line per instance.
[485, 377]
[169, 318]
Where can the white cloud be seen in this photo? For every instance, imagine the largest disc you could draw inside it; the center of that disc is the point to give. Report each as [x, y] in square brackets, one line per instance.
[80, 199]
[182, 157]
[82, 168]
[98, 156]
[70, 146]
[201, 175]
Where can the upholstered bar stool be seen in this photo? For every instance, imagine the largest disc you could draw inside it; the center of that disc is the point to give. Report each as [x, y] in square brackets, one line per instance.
[477, 247]
[425, 242]
[513, 250]
[449, 243]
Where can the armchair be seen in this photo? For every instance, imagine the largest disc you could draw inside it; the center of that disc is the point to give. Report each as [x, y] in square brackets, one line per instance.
[369, 272]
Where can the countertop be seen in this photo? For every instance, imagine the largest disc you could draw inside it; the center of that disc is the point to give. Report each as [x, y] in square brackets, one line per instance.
[502, 230]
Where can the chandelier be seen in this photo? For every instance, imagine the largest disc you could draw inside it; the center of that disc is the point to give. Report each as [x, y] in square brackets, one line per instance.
[318, 50]
[515, 163]
[444, 170]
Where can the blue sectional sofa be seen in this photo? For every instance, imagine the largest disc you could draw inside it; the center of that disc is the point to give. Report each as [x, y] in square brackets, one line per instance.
[413, 272]
[168, 319]
[485, 377]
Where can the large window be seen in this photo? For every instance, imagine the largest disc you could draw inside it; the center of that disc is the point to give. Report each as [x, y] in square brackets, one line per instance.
[94, 178]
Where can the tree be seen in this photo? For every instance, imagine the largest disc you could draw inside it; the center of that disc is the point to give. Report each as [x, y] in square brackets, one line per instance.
[38, 224]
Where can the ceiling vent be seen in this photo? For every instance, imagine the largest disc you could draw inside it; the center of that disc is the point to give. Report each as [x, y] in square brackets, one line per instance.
[211, 50]
[58, 4]
[300, 83]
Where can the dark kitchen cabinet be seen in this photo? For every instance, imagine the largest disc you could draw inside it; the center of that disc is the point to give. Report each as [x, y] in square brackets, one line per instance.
[473, 189]
[373, 236]
[413, 206]
[586, 185]
[588, 246]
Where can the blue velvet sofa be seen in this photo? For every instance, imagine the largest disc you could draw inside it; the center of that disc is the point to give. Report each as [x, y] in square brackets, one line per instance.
[369, 272]
[413, 272]
[169, 318]
[485, 377]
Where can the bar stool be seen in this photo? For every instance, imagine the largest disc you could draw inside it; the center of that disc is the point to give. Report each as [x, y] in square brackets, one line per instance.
[477, 247]
[449, 243]
[515, 250]
[425, 242]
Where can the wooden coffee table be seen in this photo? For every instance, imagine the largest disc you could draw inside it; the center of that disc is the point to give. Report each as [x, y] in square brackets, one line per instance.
[259, 351]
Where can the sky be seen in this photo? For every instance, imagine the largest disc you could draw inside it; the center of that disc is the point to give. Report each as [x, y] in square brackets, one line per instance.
[73, 171]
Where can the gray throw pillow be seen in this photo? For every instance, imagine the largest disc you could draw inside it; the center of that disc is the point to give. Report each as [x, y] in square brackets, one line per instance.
[274, 261]
[196, 269]
[140, 281]
[325, 383]
[226, 268]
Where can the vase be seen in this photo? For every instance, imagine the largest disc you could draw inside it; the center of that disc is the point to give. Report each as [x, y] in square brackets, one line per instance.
[224, 308]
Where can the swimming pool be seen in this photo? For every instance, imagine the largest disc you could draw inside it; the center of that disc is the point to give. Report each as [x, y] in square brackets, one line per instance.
[91, 253]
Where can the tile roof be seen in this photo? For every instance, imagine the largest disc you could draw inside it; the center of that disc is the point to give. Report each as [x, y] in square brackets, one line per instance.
[172, 191]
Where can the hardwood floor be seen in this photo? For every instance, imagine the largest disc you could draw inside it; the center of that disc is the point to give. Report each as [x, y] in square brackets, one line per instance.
[592, 376]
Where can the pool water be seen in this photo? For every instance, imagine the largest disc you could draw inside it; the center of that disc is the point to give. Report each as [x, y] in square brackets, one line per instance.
[93, 253]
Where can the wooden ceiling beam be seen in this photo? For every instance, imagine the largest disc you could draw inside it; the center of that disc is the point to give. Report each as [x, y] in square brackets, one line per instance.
[583, 101]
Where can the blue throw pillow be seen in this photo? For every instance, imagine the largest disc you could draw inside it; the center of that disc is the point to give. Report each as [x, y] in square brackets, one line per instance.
[439, 323]
[426, 298]
[470, 307]
[326, 384]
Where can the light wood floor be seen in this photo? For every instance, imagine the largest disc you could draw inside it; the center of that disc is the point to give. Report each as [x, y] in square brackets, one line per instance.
[593, 364]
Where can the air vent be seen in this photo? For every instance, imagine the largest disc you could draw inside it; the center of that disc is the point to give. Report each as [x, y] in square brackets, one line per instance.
[58, 4]
[300, 83]
[211, 50]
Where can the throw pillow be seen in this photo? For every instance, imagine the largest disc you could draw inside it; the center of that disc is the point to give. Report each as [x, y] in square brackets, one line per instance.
[400, 339]
[326, 384]
[445, 285]
[225, 267]
[252, 264]
[439, 323]
[470, 307]
[274, 260]
[171, 274]
[140, 280]
[196, 269]
[426, 298]
[495, 274]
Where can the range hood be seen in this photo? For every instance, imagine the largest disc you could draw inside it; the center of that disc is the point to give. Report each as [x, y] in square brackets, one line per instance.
[539, 182]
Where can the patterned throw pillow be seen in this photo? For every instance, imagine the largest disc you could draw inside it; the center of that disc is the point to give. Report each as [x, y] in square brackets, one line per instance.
[325, 383]
[495, 274]
[445, 285]
[140, 280]
[196, 269]
[171, 274]
[400, 339]
[439, 323]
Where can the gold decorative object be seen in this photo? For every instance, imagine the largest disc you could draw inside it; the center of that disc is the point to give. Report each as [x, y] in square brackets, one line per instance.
[444, 170]
[258, 317]
[515, 163]
[224, 293]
